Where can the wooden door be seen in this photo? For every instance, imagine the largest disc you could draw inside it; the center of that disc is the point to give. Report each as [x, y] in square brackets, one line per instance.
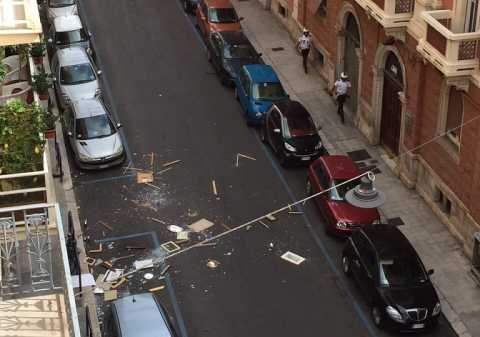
[391, 105]
[350, 62]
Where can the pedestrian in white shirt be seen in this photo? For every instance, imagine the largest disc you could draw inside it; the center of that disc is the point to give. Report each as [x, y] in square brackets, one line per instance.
[304, 42]
[341, 89]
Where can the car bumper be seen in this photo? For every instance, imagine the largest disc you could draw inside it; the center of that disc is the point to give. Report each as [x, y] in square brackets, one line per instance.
[101, 164]
[303, 158]
[254, 120]
[343, 232]
[426, 324]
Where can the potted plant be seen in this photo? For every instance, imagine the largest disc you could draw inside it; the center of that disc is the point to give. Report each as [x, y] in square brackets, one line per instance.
[41, 82]
[50, 120]
[37, 51]
[3, 71]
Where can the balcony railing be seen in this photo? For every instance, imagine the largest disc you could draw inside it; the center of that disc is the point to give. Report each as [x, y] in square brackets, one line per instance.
[389, 13]
[453, 53]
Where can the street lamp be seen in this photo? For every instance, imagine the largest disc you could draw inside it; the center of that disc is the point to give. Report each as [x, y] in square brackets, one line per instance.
[365, 195]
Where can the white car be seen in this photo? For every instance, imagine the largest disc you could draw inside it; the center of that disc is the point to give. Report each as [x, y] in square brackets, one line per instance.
[75, 76]
[68, 31]
[93, 136]
[56, 8]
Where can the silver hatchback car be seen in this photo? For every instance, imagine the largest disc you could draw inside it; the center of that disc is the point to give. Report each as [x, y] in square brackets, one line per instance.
[93, 136]
[56, 8]
[68, 31]
[75, 76]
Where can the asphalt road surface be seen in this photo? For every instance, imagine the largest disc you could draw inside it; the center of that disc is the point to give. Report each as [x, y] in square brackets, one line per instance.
[159, 84]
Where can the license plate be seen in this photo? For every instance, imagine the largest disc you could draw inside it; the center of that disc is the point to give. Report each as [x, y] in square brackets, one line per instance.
[305, 158]
[418, 326]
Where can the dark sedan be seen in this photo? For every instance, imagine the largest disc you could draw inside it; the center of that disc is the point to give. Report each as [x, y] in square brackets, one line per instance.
[290, 131]
[392, 277]
[228, 51]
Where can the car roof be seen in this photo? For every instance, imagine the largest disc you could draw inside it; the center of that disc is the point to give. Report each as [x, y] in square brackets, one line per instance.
[389, 241]
[67, 23]
[292, 109]
[141, 316]
[340, 167]
[72, 55]
[89, 107]
[234, 37]
[219, 3]
[261, 73]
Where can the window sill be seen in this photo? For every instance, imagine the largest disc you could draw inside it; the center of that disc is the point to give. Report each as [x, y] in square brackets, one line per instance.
[450, 147]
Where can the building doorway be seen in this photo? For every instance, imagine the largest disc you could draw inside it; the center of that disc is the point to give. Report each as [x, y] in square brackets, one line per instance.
[391, 105]
[350, 61]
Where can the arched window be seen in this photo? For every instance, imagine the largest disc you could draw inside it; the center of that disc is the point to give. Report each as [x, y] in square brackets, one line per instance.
[453, 122]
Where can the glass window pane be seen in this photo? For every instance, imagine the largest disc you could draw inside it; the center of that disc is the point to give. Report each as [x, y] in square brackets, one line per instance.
[454, 113]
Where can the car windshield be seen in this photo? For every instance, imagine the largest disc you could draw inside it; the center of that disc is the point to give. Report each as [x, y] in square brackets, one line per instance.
[268, 91]
[239, 51]
[77, 74]
[338, 193]
[73, 36]
[222, 15]
[60, 3]
[94, 127]
[405, 271]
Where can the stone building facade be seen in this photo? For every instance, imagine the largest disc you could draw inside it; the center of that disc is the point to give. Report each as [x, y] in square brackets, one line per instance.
[414, 68]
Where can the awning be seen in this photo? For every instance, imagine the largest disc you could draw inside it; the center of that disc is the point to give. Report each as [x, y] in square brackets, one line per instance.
[19, 22]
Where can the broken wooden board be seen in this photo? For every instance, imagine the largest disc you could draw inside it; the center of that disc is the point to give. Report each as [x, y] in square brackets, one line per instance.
[170, 246]
[110, 295]
[144, 177]
[152, 290]
[200, 225]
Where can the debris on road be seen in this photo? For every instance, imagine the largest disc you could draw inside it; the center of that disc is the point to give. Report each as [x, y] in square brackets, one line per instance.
[264, 224]
[248, 227]
[243, 156]
[152, 185]
[157, 220]
[112, 274]
[119, 283]
[208, 244]
[163, 171]
[292, 258]
[134, 248]
[165, 270]
[144, 177]
[170, 246]
[143, 264]
[271, 245]
[110, 295]
[104, 224]
[171, 163]
[225, 226]
[214, 188]
[183, 235]
[90, 261]
[295, 212]
[152, 290]
[212, 264]
[148, 276]
[175, 229]
[87, 280]
[270, 217]
[200, 225]
[98, 250]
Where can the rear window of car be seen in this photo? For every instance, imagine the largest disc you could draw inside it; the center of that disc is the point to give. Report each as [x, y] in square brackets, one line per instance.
[222, 15]
[60, 3]
[268, 91]
[94, 127]
[237, 51]
[63, 38]
[302, 122]
[77, 74]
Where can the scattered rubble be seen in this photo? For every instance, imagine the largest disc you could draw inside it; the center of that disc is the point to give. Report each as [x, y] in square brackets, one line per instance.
[212, 264]
[200, 225]
[292, 258]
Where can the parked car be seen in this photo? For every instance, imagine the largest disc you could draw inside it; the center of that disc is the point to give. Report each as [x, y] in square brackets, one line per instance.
[228, 51]
[139, 315]
[67, 31]
[216, 15]
[93, 135]
[257, 87]
[341, 218]
[56, 8]
[75, 75]
[392, 277]
[291, 133]
[190, 6]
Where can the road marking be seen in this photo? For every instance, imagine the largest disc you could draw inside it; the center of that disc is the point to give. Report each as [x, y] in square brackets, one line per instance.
[363, 317]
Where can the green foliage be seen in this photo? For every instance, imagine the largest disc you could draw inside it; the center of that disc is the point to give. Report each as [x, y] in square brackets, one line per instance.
[3, 71]
[37, 49]
[41, 82]
[21, 141]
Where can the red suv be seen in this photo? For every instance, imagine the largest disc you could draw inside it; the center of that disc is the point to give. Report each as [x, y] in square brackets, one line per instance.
[341, 217]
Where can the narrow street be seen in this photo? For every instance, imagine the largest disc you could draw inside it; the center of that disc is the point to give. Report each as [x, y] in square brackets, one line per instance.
[160, 86]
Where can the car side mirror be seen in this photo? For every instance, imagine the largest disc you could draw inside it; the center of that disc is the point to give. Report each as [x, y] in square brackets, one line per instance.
[119, 125]
[430, 272]
[70, 133]
[276, 130]
[99, 72]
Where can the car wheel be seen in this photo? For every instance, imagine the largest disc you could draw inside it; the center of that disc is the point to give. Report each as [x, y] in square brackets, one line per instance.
[377, 316]
[346, 265]
[186, 6]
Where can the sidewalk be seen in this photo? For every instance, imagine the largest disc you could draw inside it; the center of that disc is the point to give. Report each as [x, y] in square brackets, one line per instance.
[459, 293]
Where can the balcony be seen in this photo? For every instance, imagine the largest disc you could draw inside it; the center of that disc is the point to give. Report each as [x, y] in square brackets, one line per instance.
[393, 15]
[19, 22]
[453, 53]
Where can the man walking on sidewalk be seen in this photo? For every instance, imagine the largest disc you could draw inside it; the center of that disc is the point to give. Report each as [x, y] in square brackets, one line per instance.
[341, 90]
[303, 44]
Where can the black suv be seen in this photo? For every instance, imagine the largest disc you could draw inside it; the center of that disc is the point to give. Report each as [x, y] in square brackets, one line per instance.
[290, 131]
[392, 277]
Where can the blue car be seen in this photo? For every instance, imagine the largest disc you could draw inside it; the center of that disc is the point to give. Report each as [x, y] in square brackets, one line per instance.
[257, 87]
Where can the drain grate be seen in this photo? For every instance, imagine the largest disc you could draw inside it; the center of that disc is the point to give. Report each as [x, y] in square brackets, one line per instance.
[396, 221]
[359, 155]
[278, 48]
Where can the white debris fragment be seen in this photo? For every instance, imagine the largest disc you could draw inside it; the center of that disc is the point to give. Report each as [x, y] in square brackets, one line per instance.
[292, 258]
[175, 229]
[142, 264]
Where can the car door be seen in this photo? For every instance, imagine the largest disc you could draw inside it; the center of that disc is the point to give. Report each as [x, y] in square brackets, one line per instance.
[274, 129]
[202, 18]
[364, 265]
[321, 183]
[216, 51]
[69, 122]
[244, 90]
